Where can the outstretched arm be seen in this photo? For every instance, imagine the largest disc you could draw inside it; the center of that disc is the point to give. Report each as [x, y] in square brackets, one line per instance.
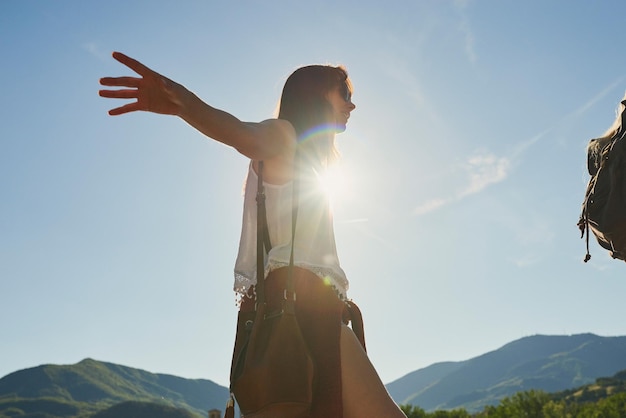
[158, 94]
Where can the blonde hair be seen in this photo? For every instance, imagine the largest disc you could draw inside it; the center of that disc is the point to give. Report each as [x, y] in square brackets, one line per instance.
[596, 145]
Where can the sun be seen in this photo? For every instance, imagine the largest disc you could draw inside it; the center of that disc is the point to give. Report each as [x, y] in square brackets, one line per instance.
[334, 181]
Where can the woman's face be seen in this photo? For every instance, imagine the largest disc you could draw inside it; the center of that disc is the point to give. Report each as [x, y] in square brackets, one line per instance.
[340, 99]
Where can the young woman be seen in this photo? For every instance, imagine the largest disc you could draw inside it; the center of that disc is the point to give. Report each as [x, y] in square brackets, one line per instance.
[315, 105]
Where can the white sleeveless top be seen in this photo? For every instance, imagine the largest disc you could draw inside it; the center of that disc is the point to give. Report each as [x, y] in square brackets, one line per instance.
[314, 249]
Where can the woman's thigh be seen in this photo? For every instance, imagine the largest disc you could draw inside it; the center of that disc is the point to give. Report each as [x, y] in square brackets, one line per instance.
[364, 394]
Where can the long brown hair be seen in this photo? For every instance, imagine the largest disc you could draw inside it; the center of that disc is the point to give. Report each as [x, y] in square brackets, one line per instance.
[303, 103]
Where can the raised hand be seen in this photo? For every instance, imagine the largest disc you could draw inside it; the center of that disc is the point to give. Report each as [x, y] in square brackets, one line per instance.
[152, 91]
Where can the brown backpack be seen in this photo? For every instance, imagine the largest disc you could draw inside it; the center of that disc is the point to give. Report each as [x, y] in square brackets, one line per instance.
[604, 207]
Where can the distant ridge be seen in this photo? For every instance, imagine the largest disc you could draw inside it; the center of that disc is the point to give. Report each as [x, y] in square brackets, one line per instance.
[540, 362]
[90, 386]
[548, 363]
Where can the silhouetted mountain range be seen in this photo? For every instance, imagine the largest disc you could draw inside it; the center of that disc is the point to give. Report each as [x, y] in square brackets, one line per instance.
[548, 363]
[105, 390]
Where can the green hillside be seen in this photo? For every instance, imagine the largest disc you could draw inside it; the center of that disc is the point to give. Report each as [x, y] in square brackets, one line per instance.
[90, 386]
[540, 362]
[602, 388]
[605, 398]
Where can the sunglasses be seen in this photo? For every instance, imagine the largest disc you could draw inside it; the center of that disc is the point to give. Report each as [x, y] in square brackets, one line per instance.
[345, 92]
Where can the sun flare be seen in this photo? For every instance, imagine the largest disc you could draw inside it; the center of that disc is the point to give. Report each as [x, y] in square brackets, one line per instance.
[334, 182]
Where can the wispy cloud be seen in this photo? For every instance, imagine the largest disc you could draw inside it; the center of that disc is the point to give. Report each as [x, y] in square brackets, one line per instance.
[590, 103]
[430, 206]
[525, 260]
[466, 30]
[566, 120]
[93, 49]
[470, 51]
[485, 168]
[481, 170]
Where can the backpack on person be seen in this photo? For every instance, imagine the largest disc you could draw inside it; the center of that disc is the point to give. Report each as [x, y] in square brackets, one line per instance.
[604, 206]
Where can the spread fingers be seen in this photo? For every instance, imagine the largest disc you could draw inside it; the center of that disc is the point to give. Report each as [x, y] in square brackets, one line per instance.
[130, 107]
[120, 81]
[119, 94]
[133, 64]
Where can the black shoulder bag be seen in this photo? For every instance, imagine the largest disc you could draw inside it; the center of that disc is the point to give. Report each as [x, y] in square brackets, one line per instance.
[272, 371]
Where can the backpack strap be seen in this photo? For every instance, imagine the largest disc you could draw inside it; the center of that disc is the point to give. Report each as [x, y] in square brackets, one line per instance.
[583, 225]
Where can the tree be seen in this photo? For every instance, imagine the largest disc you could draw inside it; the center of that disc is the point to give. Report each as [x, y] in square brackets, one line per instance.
[611, 407]
[527, 404]
[412, 411]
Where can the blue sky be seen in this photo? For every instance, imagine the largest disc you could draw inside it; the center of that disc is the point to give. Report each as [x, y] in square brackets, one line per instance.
[463, 174]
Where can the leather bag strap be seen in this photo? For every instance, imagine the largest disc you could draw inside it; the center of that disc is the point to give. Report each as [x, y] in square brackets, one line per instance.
[264, 244]
[261, 240]
[290, 291]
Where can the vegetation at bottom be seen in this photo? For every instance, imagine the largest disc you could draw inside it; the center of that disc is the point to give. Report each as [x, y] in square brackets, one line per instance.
[606, 398]
[127, 409]
[131, 409]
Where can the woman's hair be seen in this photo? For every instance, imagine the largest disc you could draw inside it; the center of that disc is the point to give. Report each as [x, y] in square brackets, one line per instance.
[304, 104]
[596, 145]
[615, 126]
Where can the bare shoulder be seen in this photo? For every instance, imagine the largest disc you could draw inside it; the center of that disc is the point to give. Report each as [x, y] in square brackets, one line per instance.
[280, 128]
[278, 168]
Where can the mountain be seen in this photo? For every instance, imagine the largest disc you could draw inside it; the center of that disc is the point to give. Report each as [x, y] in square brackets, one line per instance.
[548, 363]
[103, 390]
[91, 386]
